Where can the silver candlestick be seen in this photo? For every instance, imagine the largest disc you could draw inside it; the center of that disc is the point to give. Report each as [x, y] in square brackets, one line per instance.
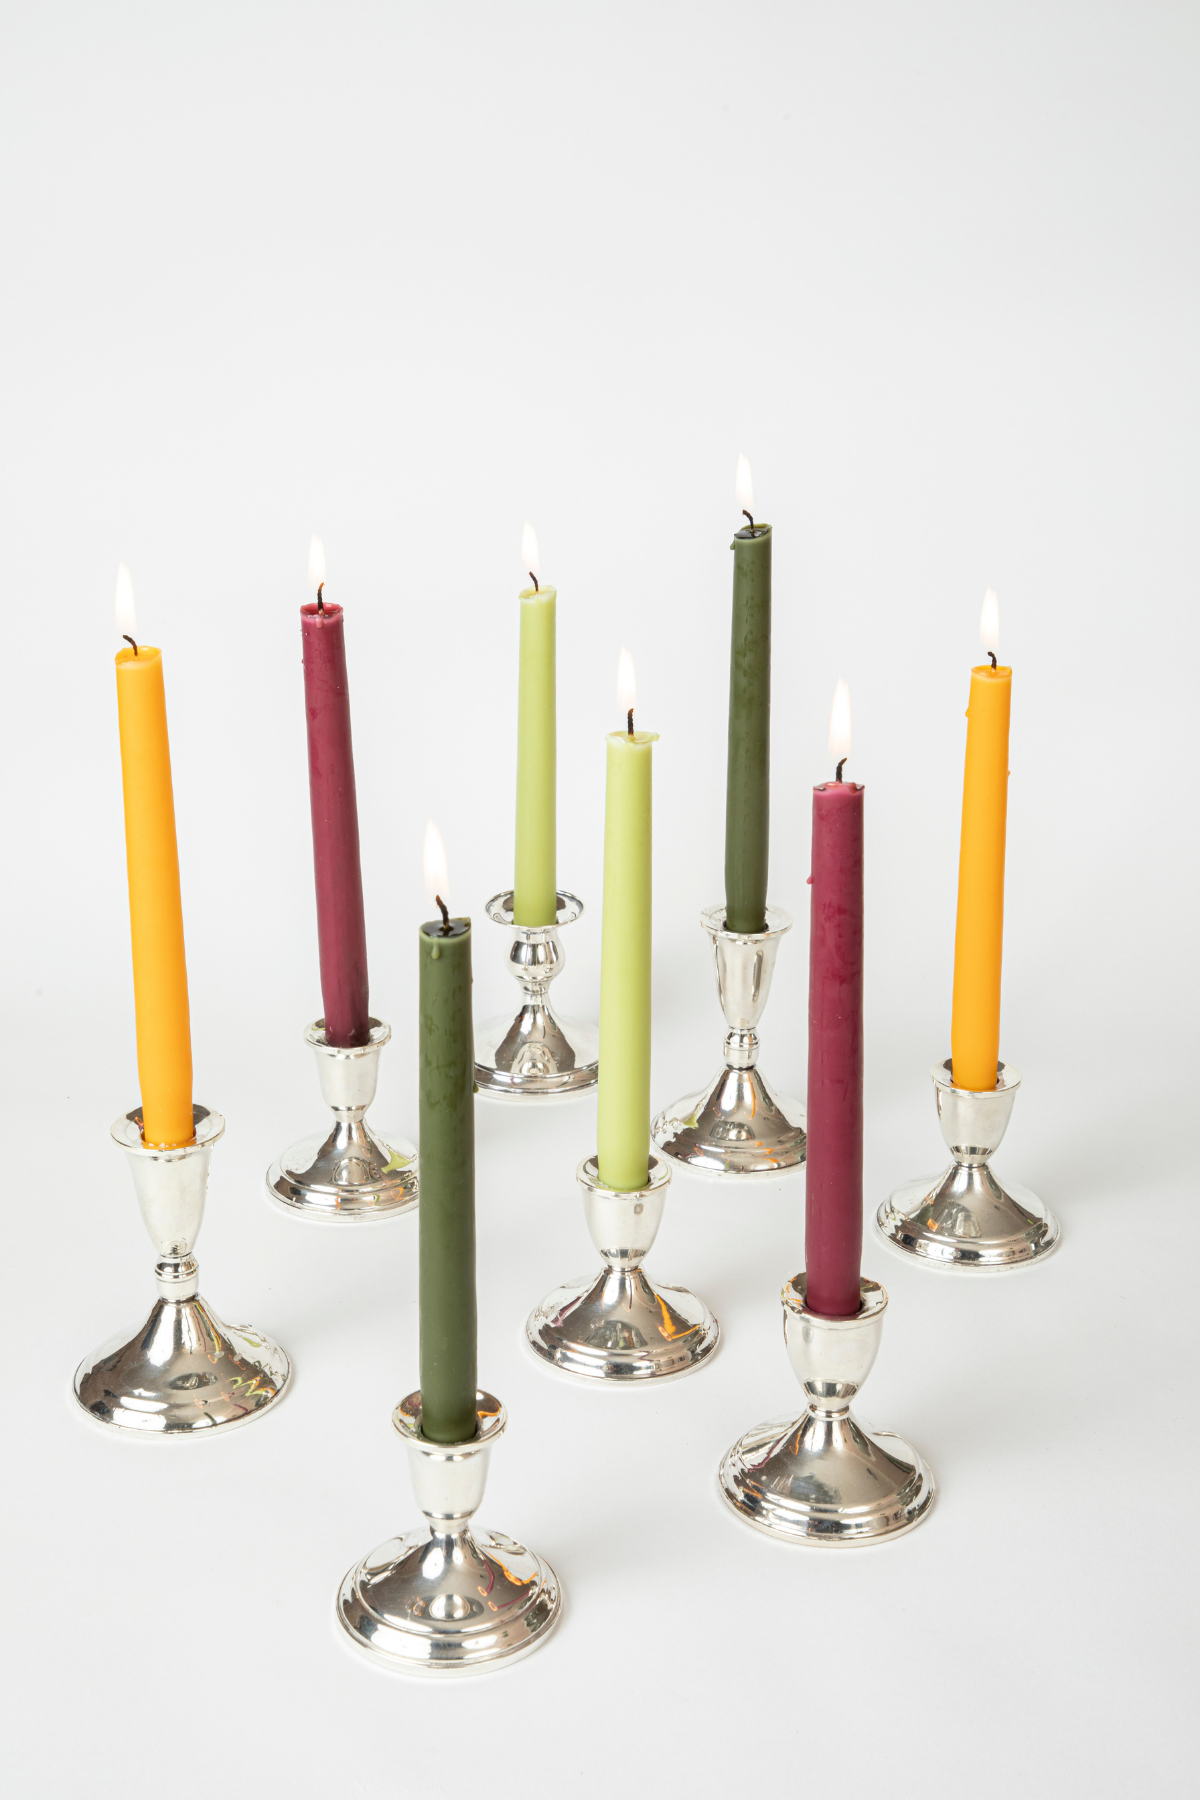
[737, 1126]
[616, 1326]
[964, 1219]
[184, 1372]
[536, 1055]
[446, 1601]
[823, 1478]
[351, 1172]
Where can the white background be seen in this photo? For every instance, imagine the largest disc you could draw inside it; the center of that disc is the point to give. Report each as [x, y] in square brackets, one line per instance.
[406, 275]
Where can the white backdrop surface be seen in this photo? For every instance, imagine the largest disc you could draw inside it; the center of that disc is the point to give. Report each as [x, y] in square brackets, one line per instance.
[404, 276]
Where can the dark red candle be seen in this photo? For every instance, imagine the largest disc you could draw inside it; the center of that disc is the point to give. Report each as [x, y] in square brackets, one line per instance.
[341, 928]
[834, 1168]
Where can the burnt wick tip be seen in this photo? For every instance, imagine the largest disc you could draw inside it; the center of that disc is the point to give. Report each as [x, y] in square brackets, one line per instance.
[445, 912]
[748, 515]
[129, 640]
[630, 721]
[992, 654]
[321, 597]
[534, 579]
[840, 767]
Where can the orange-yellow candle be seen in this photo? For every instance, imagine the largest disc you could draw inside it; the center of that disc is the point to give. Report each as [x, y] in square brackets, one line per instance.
[164, 1042]
[979, 935]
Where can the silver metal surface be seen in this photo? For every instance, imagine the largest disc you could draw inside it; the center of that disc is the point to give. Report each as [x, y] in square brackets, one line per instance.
[537, 1055]
[444, 1600]
[353, 1172]
[184, 1372]
[823, 1478]
[616, 1326]
[737, 1126]
[964, 1219]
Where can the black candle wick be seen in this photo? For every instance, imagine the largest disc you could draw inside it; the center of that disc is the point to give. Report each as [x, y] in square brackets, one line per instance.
[840, 767]
[631, 721]
[748, 515]
[533, 578]
[129, 640]
[992, 654]
[445, 912]
[320, 598]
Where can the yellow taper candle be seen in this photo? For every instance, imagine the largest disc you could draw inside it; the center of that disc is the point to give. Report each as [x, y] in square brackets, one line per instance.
[623, 1117]
[535, 896]
[979, 935]
[164, 1044]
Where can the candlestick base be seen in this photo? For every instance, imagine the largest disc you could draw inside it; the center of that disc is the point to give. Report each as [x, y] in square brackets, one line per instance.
[354, 1173]
[964, 1219]
[445, 1601]
[823, 1478]
[537, 1055]
[184, 1373]
[617, 1326]
[737, 1126]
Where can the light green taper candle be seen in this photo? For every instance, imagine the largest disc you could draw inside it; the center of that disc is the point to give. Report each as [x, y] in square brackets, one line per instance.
[535, 896]
[623, 1120]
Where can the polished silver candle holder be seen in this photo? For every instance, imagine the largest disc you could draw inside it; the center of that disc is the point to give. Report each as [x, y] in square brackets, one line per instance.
[445, 1600]
[964, 1219]
[823, 1478]
[616, 1326]
[536, 1055]
[737, 1126]
[184, 1372]
[351, 1172]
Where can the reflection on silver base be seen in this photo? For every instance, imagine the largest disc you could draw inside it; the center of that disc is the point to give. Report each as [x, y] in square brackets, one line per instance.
[822, 1478]
[536, 1055]
[352, 1173]
[183, 1372]
[617, 1326]
[443, 1601]
[964, 1219]
[737, 1126]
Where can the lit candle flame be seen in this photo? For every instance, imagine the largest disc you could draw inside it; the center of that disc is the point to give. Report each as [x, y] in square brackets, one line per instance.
[437, 875]
[744, 487]
[316, 562]
[626, 684]
[125, 615]
[839, 723]
[989, 623]
[529, 552]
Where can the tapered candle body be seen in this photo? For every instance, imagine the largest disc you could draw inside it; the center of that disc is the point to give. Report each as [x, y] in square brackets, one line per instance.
[160, 990]
[447, 1212]
[748, 773]
[534, 886]
[979, 933]
[623, 1110]
[341, 927]
[834, 1168]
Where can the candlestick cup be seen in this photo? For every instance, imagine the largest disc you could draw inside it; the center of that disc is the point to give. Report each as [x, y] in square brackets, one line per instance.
[184, 1372]
[964, 1219]
[351, 1172]
[537, 1055]
[445, 1600]
[616, 1326]
[823, 1478]
[737, 1126]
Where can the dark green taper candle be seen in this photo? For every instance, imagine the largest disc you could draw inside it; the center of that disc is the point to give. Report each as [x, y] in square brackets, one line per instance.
[748, 780]
[447, 1209]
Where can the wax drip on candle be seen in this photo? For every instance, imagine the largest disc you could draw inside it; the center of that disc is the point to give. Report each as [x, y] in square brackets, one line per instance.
[129, 640]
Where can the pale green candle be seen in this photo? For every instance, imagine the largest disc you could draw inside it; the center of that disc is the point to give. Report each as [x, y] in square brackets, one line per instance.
[535, 895]
[623, 1121]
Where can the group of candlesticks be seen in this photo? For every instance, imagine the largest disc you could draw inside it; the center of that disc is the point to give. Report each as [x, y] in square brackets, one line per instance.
[445, 1598]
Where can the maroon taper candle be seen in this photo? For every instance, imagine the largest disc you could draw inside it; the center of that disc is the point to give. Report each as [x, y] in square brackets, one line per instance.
[341, 928]
[834, 1166]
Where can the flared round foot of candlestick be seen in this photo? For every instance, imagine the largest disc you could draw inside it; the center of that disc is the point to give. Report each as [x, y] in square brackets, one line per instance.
[182, 1374]
[737, 1127]
[535, 1055]
[618, 1327]
[823, 1478]
[964, 1219]
[444, 1600]
[354, 1173]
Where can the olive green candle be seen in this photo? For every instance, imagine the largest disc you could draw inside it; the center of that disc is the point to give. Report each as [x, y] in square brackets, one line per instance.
[748, 777]
[447, 1211]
